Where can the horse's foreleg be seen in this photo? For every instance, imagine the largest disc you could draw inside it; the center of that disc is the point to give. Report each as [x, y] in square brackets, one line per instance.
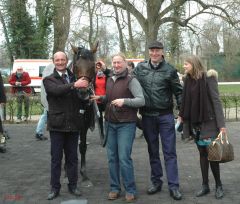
[82, 150]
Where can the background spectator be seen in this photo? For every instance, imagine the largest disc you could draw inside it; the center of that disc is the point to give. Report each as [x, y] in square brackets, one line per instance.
[19, 81]
[102, 73]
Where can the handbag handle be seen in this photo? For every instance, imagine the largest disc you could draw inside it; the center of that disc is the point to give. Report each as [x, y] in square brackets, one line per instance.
[221, 134]
[220, 137]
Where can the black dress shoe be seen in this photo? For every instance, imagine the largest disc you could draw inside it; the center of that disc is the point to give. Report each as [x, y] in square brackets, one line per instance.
[52, 195]
[75, 191]
[175, 194]
[204, 191]
[154, 189]
[219, 192]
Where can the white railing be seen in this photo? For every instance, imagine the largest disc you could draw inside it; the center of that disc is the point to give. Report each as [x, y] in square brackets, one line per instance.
[37, 88]
[228, 83]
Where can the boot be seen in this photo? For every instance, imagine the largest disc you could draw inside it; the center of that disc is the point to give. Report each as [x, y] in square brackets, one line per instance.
[204, 190]
[219, 192]
[2, 144]
[6, 135]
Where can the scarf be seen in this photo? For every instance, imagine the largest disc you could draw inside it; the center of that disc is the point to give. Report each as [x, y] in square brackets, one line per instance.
[194, 103]
[100, 74]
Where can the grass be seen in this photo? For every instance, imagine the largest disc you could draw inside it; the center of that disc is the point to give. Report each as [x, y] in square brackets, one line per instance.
[229, 89]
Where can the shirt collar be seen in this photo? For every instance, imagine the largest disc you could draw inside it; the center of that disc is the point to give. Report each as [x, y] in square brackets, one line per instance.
[61, 74]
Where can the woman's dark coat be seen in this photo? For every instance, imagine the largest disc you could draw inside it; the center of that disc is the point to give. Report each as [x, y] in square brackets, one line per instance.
[211, 128]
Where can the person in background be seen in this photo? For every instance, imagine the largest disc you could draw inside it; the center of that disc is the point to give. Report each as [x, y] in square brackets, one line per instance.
[202, 111]
[43, 118]
[63, 122]
[130, 66]
[2, 102]
[19, 81]
[123, 97]
[100, 81]
[160, 82]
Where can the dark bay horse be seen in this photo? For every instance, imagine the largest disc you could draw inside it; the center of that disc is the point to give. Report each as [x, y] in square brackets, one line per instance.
[83, 65]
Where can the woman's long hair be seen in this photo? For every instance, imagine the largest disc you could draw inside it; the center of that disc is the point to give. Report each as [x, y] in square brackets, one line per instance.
[197, 67]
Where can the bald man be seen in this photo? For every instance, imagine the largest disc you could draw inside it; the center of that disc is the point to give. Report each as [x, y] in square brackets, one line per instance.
[63, 123]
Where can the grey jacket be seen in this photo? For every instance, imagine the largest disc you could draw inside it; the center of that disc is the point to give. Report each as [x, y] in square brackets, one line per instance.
[46, 72]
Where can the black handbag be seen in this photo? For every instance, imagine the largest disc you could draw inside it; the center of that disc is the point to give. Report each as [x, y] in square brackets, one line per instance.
[220, 149]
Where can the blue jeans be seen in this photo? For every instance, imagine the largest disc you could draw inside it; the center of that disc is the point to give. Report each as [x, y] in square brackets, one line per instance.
[42, 123]
[163, 125]
[119, 149]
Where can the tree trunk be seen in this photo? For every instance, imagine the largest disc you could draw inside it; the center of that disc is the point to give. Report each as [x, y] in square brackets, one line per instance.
[132, 45]
[122, 44]
[61, 24]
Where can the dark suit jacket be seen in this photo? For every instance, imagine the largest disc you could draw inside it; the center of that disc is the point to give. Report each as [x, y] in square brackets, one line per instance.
[64, 104]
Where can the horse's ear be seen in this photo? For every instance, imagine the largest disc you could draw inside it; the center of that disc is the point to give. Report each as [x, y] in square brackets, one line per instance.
[94, 49]
[75, 49]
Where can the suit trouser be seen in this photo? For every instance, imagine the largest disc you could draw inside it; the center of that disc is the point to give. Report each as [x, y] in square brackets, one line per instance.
[163, 125]
[67, 142]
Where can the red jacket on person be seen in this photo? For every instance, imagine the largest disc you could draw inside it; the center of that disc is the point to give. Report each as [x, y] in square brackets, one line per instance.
[24, 79]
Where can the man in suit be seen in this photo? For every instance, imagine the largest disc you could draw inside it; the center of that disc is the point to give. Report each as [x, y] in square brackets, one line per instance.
[63, 121]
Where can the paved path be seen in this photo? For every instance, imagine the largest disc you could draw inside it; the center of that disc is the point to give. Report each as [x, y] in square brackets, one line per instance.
[25, 172]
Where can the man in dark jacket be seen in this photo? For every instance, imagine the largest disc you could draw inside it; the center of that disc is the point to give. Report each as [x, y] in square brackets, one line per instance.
[160, 82]
[63, 123]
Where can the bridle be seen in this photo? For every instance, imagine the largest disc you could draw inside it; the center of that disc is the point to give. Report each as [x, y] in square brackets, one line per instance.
[84, 54]
[88, 56]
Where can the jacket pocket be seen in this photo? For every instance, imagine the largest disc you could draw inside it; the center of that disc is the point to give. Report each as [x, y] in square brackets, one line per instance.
[56, 119]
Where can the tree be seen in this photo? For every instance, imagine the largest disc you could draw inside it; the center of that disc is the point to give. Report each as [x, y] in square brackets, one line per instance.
[5, 31]
[120, 32]
[158, 12]
[132, 45]
[26, 36]
[20, 29]
[44, 15]
[61, 23]
[88, 33]
[93, 27]
[174, 36]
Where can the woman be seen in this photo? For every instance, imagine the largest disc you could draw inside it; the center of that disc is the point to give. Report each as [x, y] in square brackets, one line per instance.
[123, 96]
[100, 81]
[202, 111]
[130, 66]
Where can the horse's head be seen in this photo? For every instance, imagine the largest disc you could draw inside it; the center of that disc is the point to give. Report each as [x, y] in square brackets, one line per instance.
[84, 64]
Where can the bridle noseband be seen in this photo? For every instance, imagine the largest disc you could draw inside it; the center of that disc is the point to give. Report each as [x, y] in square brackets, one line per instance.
[84, 54]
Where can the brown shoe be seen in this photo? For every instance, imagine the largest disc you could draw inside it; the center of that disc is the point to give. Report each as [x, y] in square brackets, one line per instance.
[130, 198]
[113, 195]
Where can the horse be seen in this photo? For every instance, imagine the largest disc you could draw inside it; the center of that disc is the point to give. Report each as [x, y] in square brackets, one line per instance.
[83, 66]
